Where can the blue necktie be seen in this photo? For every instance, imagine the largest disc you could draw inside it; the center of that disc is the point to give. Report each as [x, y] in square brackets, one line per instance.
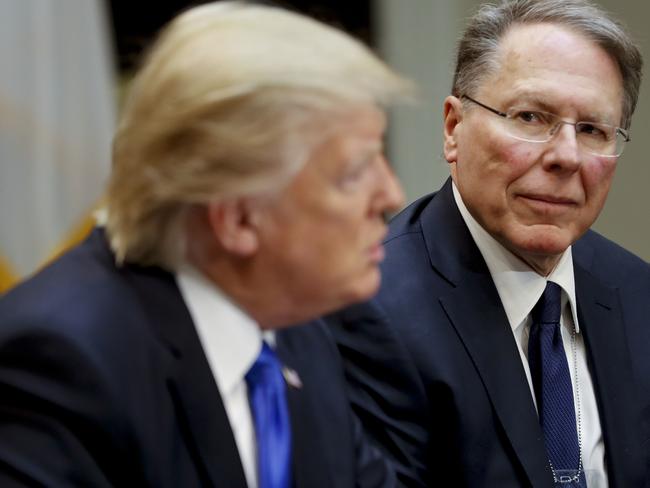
[266, 394]
[552, 382]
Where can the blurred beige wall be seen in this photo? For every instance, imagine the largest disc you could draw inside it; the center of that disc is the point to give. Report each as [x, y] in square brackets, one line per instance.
[418, 37]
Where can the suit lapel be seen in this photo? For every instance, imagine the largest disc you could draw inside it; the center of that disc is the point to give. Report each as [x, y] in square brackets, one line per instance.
[475, 311]
[608, 356]
[483, 328]
[309, 468]
[191, 383]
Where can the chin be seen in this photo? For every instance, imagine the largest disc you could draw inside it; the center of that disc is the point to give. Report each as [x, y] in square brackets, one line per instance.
[541, 256]
[544, 241]
[364, 289]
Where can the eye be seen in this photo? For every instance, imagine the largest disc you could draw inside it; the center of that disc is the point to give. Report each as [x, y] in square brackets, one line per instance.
[593, 130]
[352, 177]
[529, 117]
[361, 172]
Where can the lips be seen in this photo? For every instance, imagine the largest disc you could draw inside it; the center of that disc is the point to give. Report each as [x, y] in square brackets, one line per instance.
[549, 199]
[376, 251]
[547, 207]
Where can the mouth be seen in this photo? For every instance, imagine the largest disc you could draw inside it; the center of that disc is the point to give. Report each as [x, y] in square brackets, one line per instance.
[548, 202]
[376, 252]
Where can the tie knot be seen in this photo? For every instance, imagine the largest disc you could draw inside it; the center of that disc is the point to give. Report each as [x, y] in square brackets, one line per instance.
[266, 364]
[548, 308]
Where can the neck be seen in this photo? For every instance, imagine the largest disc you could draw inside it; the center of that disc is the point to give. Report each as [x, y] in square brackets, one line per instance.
[541, 264]
[253, 289]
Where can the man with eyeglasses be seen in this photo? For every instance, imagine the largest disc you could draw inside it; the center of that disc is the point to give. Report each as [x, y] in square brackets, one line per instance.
[509, 344]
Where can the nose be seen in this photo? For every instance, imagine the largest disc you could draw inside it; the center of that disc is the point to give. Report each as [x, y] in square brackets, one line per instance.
[564, 151]
[390, 196]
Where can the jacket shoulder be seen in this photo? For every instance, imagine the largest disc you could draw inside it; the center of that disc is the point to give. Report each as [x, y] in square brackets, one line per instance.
[407, 221]
[610, 262]
[83, 300]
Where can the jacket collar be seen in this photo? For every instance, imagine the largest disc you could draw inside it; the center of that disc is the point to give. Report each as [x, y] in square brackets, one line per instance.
[199, 408]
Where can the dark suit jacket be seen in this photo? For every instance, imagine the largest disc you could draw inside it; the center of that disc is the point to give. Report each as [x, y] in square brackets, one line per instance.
[435, 372]
[103, 382]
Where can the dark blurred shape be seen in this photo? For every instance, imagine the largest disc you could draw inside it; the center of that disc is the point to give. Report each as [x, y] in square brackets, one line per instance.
[136, 23]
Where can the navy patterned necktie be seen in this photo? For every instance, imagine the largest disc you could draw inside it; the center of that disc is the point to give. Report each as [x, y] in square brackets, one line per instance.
[552, 382]
[267, 398]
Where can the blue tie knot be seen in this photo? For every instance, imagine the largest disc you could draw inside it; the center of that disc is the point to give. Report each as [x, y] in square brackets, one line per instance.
[266, 366]
[548, 308]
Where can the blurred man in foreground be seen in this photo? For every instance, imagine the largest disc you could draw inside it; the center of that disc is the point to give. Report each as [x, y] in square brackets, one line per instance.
[508, 345]
[248, 191]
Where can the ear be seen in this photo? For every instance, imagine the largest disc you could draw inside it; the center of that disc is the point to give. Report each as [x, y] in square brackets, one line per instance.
[233, 225]
[453, 116]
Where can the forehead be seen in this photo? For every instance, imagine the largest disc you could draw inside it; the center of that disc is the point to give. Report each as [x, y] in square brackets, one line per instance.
[356, 129]
[553, 63]
[343, 139]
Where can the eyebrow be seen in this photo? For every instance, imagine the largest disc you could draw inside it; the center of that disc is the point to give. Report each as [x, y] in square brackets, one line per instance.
[531, 99]
[535, 99]
[370, 150]
[364, 158]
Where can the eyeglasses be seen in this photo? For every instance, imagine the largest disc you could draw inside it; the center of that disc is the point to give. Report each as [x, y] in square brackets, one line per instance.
[537, 126]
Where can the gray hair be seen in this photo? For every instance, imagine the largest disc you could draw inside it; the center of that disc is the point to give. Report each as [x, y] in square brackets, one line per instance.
[477, 50]
[228, 103]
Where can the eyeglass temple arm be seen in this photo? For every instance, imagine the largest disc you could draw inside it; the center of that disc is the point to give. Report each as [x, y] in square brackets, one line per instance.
[624, 133]
[494, 111]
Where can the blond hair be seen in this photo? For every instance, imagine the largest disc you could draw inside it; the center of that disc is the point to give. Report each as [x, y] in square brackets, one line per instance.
[220, 108]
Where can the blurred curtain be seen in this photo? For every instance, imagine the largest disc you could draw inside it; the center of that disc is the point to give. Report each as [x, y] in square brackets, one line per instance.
[57, 115]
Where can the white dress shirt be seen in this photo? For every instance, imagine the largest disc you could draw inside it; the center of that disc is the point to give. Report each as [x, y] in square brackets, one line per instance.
[232, 341]
[520, 288]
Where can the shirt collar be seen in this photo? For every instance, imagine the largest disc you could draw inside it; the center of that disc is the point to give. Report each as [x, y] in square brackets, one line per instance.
[519, 287]
[231, 339]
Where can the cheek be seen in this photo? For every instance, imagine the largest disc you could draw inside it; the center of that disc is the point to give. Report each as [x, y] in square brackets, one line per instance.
[495, 173]
[339, 237]
[328, 236]
[495, 157]
[519, 155]
[597, 178]
[516, 169]
[517, 159]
